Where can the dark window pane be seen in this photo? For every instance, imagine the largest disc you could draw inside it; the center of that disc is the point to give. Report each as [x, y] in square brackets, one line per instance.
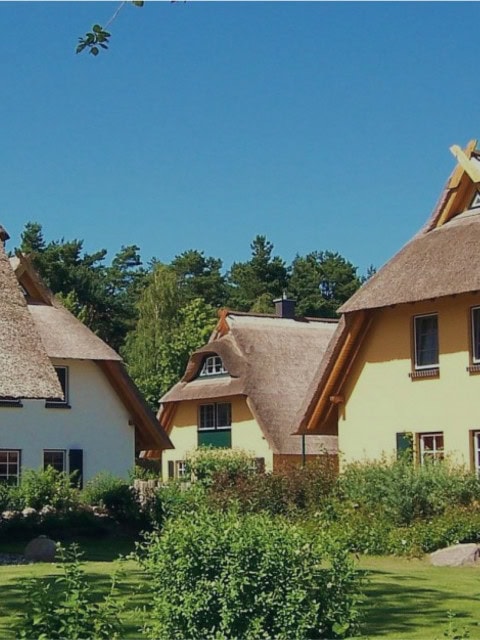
[55, 459]
[224, 415]
[207, 416]
[426, 341]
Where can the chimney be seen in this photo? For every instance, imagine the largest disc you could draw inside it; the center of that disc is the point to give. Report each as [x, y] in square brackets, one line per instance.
[284, 307]
[3, 235]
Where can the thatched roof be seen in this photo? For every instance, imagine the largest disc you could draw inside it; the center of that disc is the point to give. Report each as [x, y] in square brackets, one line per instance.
[271, 361]
[440, 262]
[25, 369]
[64, 336]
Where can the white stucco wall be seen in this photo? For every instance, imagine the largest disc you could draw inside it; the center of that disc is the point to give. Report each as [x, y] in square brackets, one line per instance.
[97, 423]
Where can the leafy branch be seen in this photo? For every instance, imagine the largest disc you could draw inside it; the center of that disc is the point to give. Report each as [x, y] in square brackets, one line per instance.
[99, 38]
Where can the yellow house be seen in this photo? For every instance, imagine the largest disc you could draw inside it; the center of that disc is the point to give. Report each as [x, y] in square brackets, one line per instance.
[244, 388]
[403, 368]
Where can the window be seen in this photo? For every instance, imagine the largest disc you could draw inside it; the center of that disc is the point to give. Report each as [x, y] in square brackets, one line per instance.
[426, 341]
[215, 416]
[431, 447]
[476, 451]
[62, 373]
[215, 425]
[54, 458]
[9, 466]
[476, 335]
[212, 366]
[180, 469]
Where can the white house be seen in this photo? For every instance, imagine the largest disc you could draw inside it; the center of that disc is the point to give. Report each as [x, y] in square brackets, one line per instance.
[89, 417]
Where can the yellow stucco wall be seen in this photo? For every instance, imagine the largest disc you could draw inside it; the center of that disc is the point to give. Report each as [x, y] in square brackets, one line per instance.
[246, 433]
[381, 399]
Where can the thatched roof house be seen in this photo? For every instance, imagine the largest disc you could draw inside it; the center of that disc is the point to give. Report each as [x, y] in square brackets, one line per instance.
[25, 369]
[441, 260]
[58, 335]
[270, 361]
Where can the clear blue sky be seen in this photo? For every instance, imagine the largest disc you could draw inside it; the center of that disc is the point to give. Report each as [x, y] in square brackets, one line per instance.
[320, 125]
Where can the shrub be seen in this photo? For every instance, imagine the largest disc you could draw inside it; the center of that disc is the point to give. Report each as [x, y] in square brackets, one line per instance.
[206, 462]
[173, 500]
[47, 488]
[283, 492]
[406, 492]
[115, 495]
[66, 609]
[220, 575]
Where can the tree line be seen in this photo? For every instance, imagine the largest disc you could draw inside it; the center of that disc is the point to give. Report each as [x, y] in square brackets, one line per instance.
[157, 314]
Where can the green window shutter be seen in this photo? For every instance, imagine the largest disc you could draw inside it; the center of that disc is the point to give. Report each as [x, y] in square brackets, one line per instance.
[405, 445]
[218, 438]
[171, 469]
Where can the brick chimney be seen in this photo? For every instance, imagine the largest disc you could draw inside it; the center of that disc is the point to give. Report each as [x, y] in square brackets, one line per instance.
[284, 307]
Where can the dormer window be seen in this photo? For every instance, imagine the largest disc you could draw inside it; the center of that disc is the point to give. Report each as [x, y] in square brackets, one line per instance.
[212, 366]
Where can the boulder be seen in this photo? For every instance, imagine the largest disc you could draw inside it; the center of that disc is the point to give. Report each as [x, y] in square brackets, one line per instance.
[41, 549]
[456, 555]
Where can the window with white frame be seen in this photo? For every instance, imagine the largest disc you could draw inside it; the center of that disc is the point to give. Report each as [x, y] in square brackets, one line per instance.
[426, 341]
[476, 335]
[62, 374]
[10, 466]
[215, 416]
[180, 469]
[476, 451]
[55, 458]
[212, 366]
[431, 447]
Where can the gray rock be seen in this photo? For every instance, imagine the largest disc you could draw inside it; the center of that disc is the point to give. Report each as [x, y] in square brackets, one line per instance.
[456, 556]
[41, 549]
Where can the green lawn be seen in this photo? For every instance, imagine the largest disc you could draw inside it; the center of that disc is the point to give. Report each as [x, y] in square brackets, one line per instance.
[410, 599]
[406, 599]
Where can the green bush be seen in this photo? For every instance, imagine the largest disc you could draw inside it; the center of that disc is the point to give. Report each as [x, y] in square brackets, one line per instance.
[219, 575]
[115, 495]
[173, 500]
[66, 609]
[205, 463]
[406, 492]
[47, 488]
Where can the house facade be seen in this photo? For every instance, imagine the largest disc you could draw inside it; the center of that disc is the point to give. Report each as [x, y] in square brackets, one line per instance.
[89, 417]
[403, 370]
[244, 388]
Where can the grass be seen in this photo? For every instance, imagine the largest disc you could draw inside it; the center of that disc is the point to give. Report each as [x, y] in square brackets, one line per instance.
[406, 599]
[410, 599]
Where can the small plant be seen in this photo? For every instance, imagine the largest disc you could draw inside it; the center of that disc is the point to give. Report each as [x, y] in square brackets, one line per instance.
[65, 608]
[452, 632]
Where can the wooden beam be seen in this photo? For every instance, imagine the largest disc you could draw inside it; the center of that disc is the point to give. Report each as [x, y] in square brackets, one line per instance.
[350, 361]
[458, 173]
[465, 161]
[323, 403]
